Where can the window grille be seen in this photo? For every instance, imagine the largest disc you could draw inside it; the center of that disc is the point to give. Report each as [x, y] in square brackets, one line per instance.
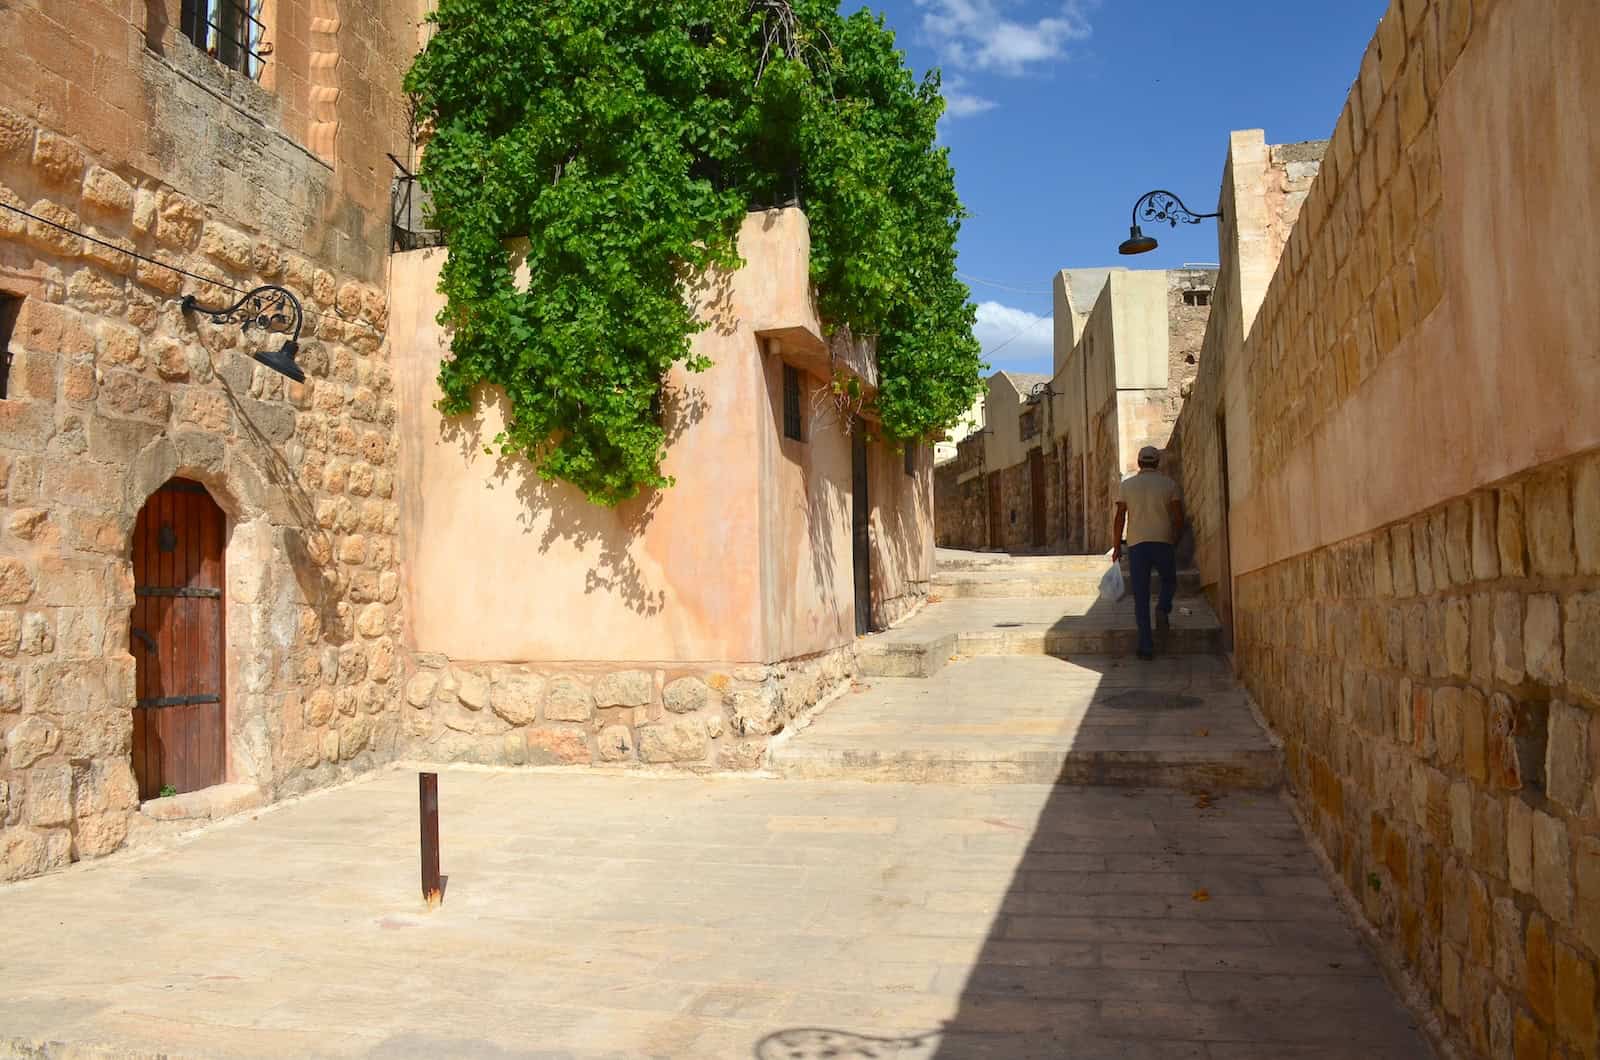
[1030, 423]
[230, 31]
[791, 403]
[1197, 296]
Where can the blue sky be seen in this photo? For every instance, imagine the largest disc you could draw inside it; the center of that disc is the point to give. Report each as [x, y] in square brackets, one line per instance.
[1062, 112]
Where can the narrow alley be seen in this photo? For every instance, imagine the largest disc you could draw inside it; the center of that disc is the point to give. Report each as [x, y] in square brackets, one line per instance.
[1012, 855]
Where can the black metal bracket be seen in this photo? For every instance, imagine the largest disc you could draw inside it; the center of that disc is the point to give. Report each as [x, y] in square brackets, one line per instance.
[270, 308]
[1165, 206]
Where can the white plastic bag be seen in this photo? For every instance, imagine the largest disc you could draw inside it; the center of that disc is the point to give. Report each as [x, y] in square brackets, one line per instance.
[1112, 585]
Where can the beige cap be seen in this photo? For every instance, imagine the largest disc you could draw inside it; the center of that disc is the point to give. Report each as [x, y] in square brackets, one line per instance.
[1149, 456]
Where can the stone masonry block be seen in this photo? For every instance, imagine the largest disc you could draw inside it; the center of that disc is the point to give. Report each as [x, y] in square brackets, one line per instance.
[1485, 546]
[515, 695]
[1508, 638]
[680, 740]
[1542, 639]
[1575, 1020]
[103, 190]
[1439, 548]
[1458, 541]
[1552, 867]
[1586, 513]
[624, 688]
[1581, 635]
[1519, 844]
[686, 695]
[1422, 556]
[1539, 970]
[57, 159]
[1455, 23]
[568, 699]
[1458, 636]
[615, 743]
[1567, 756]
[1587, 873]
[1548, 524]
[1513, 550]
[1405, 582]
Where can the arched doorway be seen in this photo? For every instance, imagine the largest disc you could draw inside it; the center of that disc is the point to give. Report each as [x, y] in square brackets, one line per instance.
[176, 637]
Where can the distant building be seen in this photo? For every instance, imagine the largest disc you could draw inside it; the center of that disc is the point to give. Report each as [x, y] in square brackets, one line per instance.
[1042, 476]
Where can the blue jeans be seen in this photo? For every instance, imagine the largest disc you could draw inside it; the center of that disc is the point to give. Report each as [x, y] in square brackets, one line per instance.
[1142, 558]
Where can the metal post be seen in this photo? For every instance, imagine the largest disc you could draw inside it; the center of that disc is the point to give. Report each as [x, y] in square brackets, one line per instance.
[428, 800]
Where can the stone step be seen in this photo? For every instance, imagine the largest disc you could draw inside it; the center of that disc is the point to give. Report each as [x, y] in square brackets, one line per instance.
[1010, 583]
[1240, 770]
[1180, 721]
[924, 658]
[962, 559]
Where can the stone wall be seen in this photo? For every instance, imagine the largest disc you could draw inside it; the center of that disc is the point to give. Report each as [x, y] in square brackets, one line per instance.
[1391, 459]
[122, 129]
[695, 718]
[1437, 686]
[960, 518]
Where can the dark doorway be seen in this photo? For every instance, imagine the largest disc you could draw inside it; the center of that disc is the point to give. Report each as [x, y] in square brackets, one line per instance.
[176, 636]
[1036, 488]
[996, 528]
[1224, 546]
[860, 522]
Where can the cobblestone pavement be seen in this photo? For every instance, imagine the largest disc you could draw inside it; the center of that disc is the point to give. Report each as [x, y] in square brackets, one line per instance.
[628, 916]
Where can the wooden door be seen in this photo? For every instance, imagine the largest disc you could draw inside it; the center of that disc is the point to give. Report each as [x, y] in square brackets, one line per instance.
[997, 531]
[860, 528]
[1036, 487]
[176, 636]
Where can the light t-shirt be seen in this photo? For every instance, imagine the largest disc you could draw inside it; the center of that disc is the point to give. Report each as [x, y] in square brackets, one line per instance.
[1147, 495]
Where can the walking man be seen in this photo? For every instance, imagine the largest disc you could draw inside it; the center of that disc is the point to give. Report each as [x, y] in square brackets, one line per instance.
[1151, 513]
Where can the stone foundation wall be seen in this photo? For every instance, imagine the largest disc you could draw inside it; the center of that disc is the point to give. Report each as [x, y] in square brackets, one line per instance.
[113, 391]
[1437, 686]
[701, 718]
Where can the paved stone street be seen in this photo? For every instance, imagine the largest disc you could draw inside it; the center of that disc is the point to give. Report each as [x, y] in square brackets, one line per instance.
[626, 916]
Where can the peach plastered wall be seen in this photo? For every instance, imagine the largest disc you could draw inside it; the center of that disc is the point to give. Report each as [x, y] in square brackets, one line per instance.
[685, 626]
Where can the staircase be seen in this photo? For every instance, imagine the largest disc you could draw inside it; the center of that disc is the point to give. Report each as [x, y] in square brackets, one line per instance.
[987, 603]
[1002, 680]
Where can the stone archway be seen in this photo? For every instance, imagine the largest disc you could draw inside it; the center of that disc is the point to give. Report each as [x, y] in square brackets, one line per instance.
[177, 637]
[253, 516]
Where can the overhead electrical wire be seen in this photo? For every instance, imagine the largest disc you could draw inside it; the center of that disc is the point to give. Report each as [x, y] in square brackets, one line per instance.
[161, 264]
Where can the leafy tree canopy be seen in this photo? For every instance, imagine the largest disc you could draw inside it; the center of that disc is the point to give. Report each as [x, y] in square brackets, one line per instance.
[626, 141]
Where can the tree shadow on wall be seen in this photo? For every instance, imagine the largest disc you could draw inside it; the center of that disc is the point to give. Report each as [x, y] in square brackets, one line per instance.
[571, 517]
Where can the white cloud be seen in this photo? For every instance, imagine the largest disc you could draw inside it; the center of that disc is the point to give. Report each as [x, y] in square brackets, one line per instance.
[959, 103]
[1013, 338]
[977, 35]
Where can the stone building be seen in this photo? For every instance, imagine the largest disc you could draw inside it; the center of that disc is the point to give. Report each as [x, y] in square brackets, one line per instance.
[1043, 476]
[219, 581]
[1392, 463]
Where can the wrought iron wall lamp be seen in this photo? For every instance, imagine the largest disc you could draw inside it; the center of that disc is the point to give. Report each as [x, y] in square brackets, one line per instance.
[273, 309]
[1158, 206]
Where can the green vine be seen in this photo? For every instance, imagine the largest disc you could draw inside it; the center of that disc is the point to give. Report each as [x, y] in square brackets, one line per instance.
[626, 142]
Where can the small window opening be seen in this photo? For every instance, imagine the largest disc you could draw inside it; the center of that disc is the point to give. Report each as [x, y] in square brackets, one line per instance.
[911, 458]
[791, 403]
[1197, 296]
[230, 31]
[10, 309]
